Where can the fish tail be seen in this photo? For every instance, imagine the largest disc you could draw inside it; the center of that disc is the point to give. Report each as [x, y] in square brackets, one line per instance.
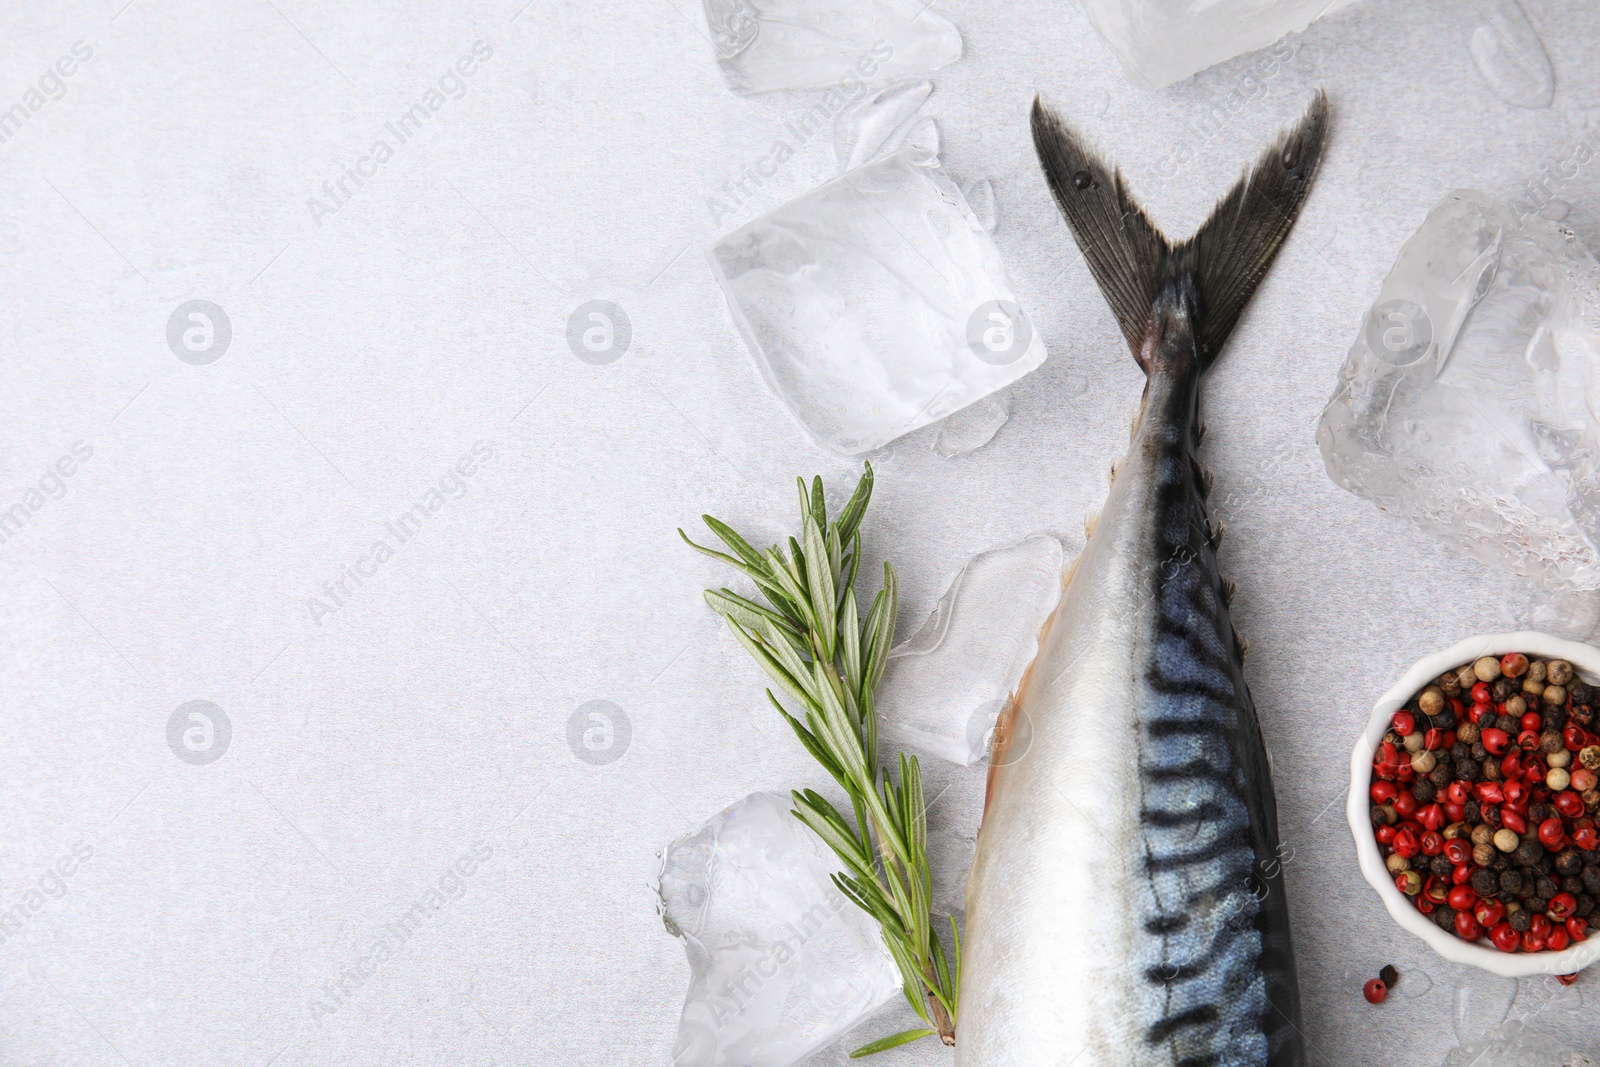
[1217, 269]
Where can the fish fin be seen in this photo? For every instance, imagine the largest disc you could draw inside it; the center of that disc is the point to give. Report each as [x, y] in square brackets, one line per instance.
[1214, 531]
[1125, 251]
[1231, 252]
[1090, 520]
[1229, 588]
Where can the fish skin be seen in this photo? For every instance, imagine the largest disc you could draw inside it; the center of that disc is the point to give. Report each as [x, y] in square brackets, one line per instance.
[1126, 904]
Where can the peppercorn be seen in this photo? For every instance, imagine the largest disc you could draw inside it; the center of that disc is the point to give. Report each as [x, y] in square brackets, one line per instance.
[1466, 678]
[1571, 883]
[1528, 851]
[1375, 991]
[1591, 799]
[1487, 669]
[1558, 672]
[1554, 695]
[1514, 665]
[1397, 863]
[1585, 904]
[1449, 682]
[1504, 840]
[1482, 855]
[1511, 882]
[1520, 920]
[1388, 975]
[1430, 701]
[1471, 812]
[1516, 706]
[1532, 689]
[1557, 779]
[1466, 735]
[1501, 861]
[1580, 690]
[1485, 883]
[1408, 882]
[1423, 762]
[1491, 819]
[1536, 671]
[1502, 688]
[1445, 916]
[1555, 718]
[1510, 725]
[1562, 759]
[1591, 880]
[1468, 770]
[1589, 756]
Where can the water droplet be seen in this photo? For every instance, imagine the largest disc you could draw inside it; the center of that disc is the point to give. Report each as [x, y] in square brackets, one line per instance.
[1508, 53]
[1414, 983]
[1082, 180]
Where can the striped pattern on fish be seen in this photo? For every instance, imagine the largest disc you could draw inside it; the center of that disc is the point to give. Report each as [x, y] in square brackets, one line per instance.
[1126, 904]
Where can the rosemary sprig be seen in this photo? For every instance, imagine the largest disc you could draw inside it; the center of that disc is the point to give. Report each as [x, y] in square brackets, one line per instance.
[814, 644]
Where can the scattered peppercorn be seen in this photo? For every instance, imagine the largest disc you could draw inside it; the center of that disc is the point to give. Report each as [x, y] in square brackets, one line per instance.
[1375, 991]
[1485, 802]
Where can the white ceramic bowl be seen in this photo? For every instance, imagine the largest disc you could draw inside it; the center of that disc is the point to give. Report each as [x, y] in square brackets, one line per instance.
[1586, 661]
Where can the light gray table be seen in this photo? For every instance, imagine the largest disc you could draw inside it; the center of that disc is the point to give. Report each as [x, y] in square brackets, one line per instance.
[228, 913]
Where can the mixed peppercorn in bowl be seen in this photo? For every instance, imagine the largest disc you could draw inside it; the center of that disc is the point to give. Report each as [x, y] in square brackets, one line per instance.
[1476, 803]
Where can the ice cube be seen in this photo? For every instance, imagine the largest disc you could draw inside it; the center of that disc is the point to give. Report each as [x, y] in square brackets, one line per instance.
[878, 123]
[780, 963]
[876, 303]
[1163, 41]
[816, 44]
[944, 687]
[1467, 402]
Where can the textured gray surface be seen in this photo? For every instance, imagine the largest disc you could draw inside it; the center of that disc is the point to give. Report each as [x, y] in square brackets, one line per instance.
[426, 719]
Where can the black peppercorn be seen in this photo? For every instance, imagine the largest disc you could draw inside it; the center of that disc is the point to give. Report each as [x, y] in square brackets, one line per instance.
[1461, 750]
[1511, 881]
[1389, 976]
[1441, 775]
[1571, 883]
[1484, 882]
[1545, 888]
[1423, 790]
[1500, 862]
[1502, 688]
[1491, 816]
[1442, 866]
[1508, 724]
[1527, 852]
[1585, 904]
[1580, 692]
[1467, 770]
[1520, 920]
[1569, 862]
[1445, 917]
[1591, 880]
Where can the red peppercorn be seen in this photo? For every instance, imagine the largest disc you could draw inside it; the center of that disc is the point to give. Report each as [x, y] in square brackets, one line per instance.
[1383, 792]
[1550, 833]
[1583, 780]
[1406, 843]
[1572, 738]
[1467, 927]
[1513, 664]
[1457, 793]
[1406, 804]
[1433, 740]
[1435, 889]
[1528, 740]
[1494, 740]
[1461, 875]
[1462, 898]
[1539, 925]
[1482, 713]
[1533, 772]
[1403, 723]
[1488, 793]
[1561, 907]
[1489, 913]
[1569, 803]
[1424, 905]
[1511, 766]
[1431, 816]
[1556, 939]
[1567, 979]
[1458, 850]
[1480, 693]
[1532, 721]
[1586, 839]
[1516, 794]
[1375, 991]
[1513, 822]
[1532, 942]
[1404, 772]
[1505, 939]
[1432, 843]
[1578, 929]
[1385, 835]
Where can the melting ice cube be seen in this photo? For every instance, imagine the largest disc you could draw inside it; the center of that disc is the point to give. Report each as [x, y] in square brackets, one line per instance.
[945, 686]
[1163, 41]
[1467, 402]
[815, 44]
[780, 963]
[876, 303]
